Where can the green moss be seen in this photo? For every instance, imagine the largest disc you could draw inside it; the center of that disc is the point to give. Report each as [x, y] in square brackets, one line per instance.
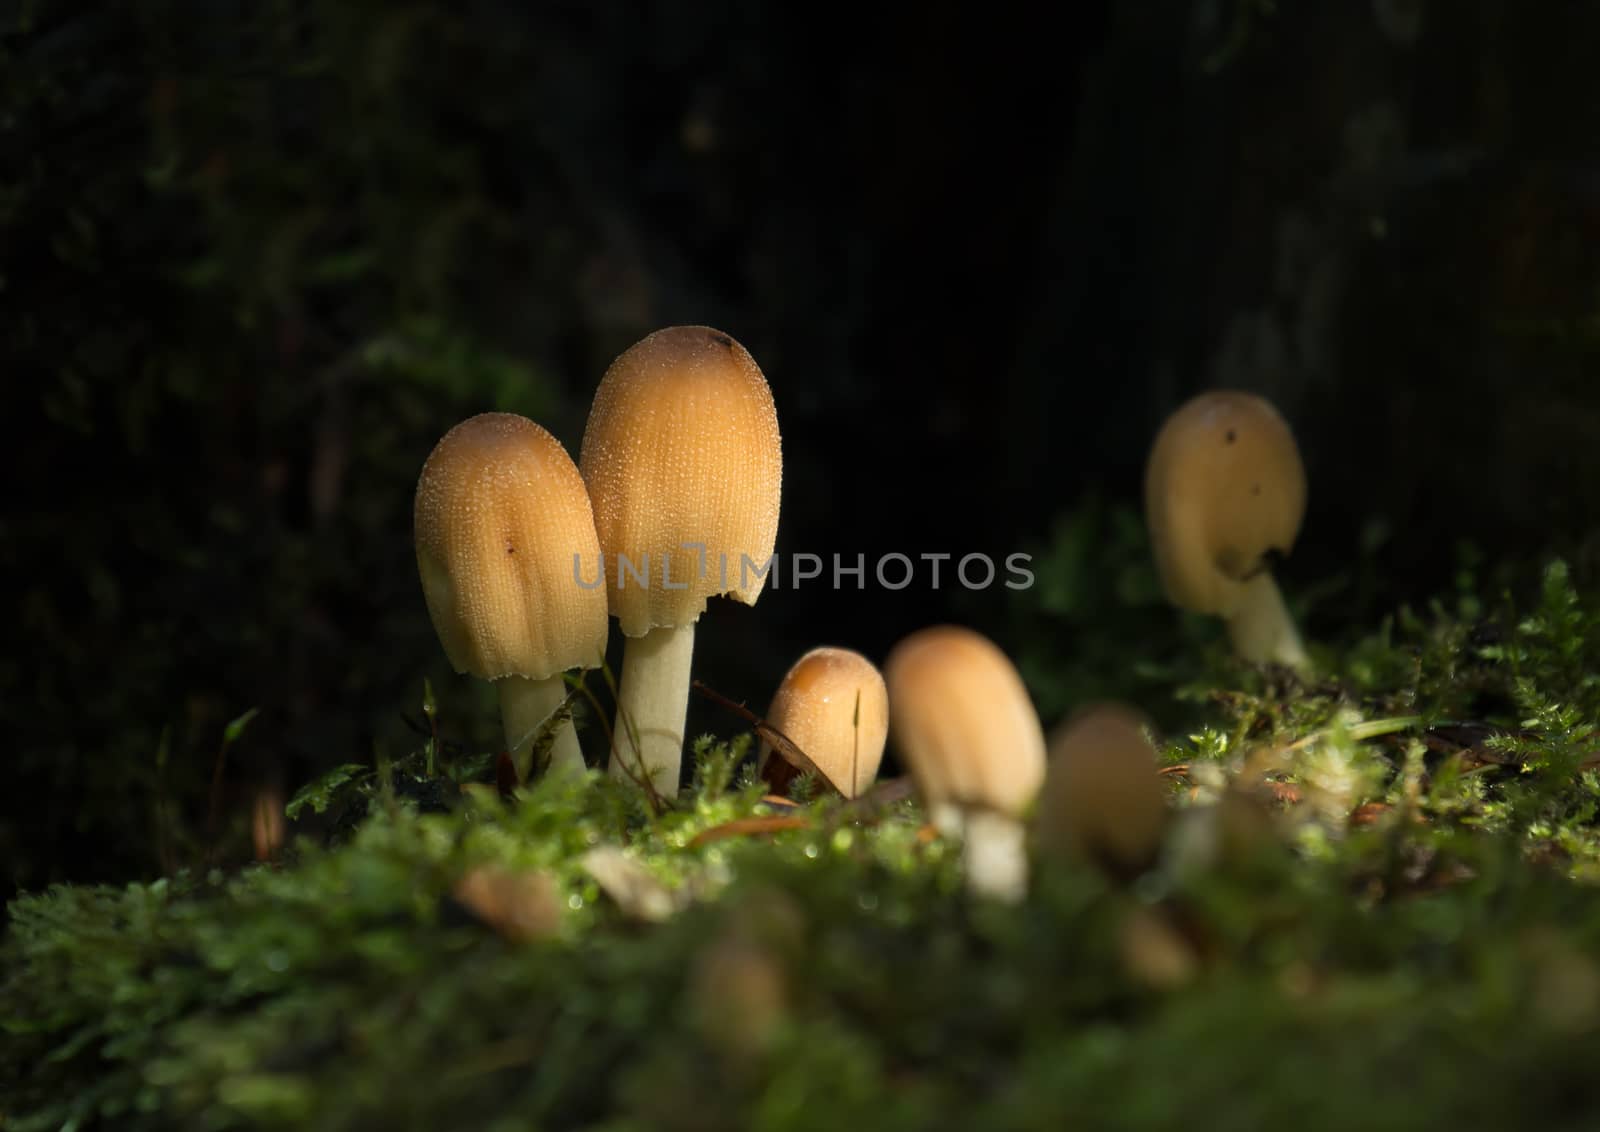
[1415, 944]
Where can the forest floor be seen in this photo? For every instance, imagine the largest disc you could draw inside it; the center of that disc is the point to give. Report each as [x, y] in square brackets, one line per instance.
[1377, 906]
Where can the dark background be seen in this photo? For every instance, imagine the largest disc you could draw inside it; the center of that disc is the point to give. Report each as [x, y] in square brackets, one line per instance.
[256, 258]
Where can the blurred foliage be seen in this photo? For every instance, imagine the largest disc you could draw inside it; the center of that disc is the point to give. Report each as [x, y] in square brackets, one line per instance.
[255, 262]
[1415, 898]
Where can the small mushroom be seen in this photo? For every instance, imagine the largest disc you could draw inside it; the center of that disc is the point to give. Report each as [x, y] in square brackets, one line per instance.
[1224, 492]
[1103, 799]
[1235, 833]
[266, 822]
[503, 532]
[738, 996]
[684, 464]
[635, 889]
[971, 738]
[523, 906]
[1154, 952]
[834, 706]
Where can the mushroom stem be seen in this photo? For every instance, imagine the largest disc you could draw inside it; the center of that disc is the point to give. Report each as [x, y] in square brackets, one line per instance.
[524, 706]
[652, 705]
[947, 818]
[1262, 630]
[994, 855]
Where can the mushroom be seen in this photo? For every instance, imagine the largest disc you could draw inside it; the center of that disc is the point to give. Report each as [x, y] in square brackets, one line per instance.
[266, 822]
[684, 466]
[504, 533]
[523, 906]
[1103, 799]
[1235, 833]
[971, 738]
[1224, 492]
[739, 994]
[833, 705]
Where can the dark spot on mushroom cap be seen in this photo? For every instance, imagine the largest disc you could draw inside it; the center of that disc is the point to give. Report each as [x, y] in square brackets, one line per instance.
[722, 340]
[1231, 436]
[1255, 489]
[510, 548]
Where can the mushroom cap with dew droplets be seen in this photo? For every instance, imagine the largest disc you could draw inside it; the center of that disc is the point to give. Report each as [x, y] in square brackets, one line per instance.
[682, 446]
[963, 721]
[1103, 798]
[816, 707]
[1224, 487]
[500, 512]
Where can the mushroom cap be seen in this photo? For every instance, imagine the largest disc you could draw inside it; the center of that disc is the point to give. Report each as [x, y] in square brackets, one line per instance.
[963, 721]
[816, 706]
[500, 513]
[682, 447]
[1103, 798]
[1224, 486]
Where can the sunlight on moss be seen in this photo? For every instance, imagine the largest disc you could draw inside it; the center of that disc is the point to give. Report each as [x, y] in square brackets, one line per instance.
[1397, 859]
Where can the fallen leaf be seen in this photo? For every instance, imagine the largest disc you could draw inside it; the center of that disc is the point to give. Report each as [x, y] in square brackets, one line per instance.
[747, 827]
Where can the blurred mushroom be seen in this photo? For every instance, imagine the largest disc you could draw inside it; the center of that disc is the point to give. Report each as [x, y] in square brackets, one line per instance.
[522, 906]
[834, 706]
[1224, 492]
[1564, 981]
[971, 738]
[504, 532]
[683, 462]
[266, 822]
[1234, 833]
[634, 888]
[1103, 799]
[1154, 952]
[739, 995]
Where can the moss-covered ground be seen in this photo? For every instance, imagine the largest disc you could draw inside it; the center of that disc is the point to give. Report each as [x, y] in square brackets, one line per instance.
[1377, 908]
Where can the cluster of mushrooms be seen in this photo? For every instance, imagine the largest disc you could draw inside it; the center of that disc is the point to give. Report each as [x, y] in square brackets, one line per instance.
[676, 490]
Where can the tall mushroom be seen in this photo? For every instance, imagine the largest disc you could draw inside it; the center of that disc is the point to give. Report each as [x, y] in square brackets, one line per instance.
[504, 533]
[1102, 799]
[1224, 492]
[684, 465]
[833, 705]
[971, 738]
